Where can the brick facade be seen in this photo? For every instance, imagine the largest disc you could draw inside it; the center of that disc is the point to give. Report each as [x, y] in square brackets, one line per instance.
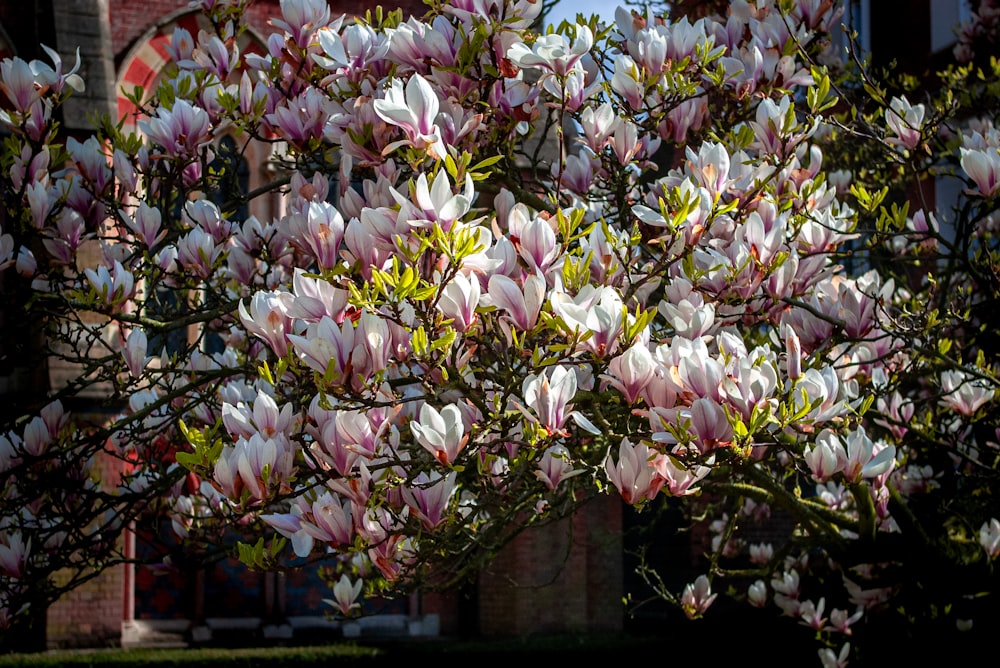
[131, 20]
[563, 577]
[90, 615]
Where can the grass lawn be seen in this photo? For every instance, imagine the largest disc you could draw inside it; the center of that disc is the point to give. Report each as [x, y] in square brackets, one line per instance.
[343, 654]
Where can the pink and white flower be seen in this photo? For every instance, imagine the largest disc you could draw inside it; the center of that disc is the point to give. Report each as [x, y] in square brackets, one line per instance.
[697, 597]
[548, 394]
[345, 595]
[414, 109]
[634, 475]
[905, 121]
[181, 130]
[556, 465]
[428, 496]
[441, 433]
[989, 537]
[267, 318]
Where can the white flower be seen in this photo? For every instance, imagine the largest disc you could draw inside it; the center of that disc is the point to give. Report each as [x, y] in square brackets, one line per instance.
[989, 537]
[440, 433]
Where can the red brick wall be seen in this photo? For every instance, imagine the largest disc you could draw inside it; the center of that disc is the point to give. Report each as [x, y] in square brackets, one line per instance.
[564, 577]
[90, 615]
[130, 20]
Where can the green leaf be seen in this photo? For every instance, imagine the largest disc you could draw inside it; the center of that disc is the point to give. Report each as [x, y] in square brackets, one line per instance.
[444, 341]
[188, 460]
[488, 162]
[449, 164]
[419, 342]
[265, 373]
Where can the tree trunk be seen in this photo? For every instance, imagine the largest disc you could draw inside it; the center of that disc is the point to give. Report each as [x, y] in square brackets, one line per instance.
[28, 634]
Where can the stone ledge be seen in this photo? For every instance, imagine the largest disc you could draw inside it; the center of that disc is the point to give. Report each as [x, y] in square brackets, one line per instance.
[181, 632]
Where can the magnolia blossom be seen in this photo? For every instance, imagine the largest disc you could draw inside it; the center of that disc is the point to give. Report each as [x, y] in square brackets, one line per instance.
[268, 319]
[329, 519]
[826, 456]
[989, 537]
[774, 125]
[983, 167]
[302, 119]
[786, 583]
[19, 84]
[253, 468]
[697, 312]
[549, 395]
[757, 594]
[264, 417]
[345, 595]
[633, 475]
[905, 121]
[414, 109]
[437, 201]
[811, 614]
[428, 497]
[964, 393]
[459, 300]
[761, 553]
[697, 597]
[841, 620]
[831, 659]
[595, 315]
[134, 352]
[6, 250]
[865, 458]
[375, 346]
[326, 347]
[440, 433]
[181, 130]
[316, 299]
[146, 224]
[198, 251]
[681, 480]
[320, 228]
[553, 53]
[627, 82]
[24, 83]
[301, 18]
[630, 372]
[114, 286]
[709, 424]
[537, 242]
[556, 465]
[13, 554]
[10, 444]
[522, 304]
[689, 318]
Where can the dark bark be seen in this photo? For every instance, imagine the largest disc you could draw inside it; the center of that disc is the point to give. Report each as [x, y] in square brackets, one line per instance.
[29, 631]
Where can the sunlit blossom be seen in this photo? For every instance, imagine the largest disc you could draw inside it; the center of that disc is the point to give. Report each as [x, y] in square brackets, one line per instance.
[442, 433]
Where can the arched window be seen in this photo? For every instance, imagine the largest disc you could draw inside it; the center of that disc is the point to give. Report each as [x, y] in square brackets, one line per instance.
[233, 174]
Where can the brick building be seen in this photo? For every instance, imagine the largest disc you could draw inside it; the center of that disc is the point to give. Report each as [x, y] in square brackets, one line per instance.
[568, 577]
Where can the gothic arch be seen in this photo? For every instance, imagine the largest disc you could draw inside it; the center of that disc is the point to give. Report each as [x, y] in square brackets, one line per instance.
[145, 60]
[143, 66]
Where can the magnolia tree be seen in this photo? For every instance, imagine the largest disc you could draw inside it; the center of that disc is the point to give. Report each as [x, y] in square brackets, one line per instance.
[515, 270]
